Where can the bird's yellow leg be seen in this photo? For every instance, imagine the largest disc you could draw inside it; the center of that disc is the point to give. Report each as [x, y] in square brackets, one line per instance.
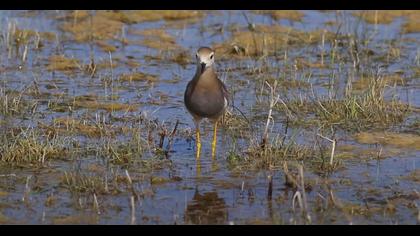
[213, 144]
[198, 168]
[198, 142]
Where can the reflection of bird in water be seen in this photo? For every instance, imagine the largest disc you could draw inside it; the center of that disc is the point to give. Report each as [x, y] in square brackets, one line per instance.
[207, 208]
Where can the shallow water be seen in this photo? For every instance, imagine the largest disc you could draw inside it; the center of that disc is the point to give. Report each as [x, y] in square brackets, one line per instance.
[186, 191]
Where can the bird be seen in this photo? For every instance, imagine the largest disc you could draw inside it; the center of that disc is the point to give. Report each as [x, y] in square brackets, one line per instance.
[206, 96]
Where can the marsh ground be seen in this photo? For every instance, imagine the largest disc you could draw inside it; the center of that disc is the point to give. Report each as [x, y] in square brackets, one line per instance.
[94, 130]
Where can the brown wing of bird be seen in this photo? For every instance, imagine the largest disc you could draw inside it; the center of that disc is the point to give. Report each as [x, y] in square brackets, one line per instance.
[225, 92]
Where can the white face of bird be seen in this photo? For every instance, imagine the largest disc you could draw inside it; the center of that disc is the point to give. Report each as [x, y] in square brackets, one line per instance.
[205, 58]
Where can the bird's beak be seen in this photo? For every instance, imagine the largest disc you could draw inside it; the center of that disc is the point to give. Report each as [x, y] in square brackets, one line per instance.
[203, 67]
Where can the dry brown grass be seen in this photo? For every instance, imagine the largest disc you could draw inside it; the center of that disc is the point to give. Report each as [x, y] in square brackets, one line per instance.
[156, 39]
[383, 16]
[267, 40]
[113, 106]
[73, 125]
[411, 17]
[138, 16]
[73, 15]
[282, 14]
[400, 140]
[76, 219]
[62, 63]
[13, 103]
[23, 36]
[31, 147]
[412, 24]
[107, 47]
[106, 25]
[302, 63]
[97, 27]
[356, 113]
[139, 76]
[388, 80]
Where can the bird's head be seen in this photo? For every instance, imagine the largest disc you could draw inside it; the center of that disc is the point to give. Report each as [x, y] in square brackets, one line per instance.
[205, 58]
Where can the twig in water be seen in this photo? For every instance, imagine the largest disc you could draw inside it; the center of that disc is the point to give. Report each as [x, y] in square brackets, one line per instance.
[289, 179]
[128, 177]
[133, 210]
[96, 204]
[171, 138]
[243, 115]
[339, 205]
[332, 149]
[299, 198]
[27, 189]
[131, 184]
[305, 203]
[418, 216]
[251, 28]
[286, 129]
[162, 135]
[273, 101]
[270, 187]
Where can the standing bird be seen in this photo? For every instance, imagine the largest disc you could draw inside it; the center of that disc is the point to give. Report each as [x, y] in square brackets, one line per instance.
[205, 96]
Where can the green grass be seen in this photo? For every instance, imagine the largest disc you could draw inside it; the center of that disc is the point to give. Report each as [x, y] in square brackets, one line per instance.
[31, 146]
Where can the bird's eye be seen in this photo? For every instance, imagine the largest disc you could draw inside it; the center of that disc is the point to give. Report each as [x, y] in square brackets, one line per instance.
[196, 55]
[211, 57]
